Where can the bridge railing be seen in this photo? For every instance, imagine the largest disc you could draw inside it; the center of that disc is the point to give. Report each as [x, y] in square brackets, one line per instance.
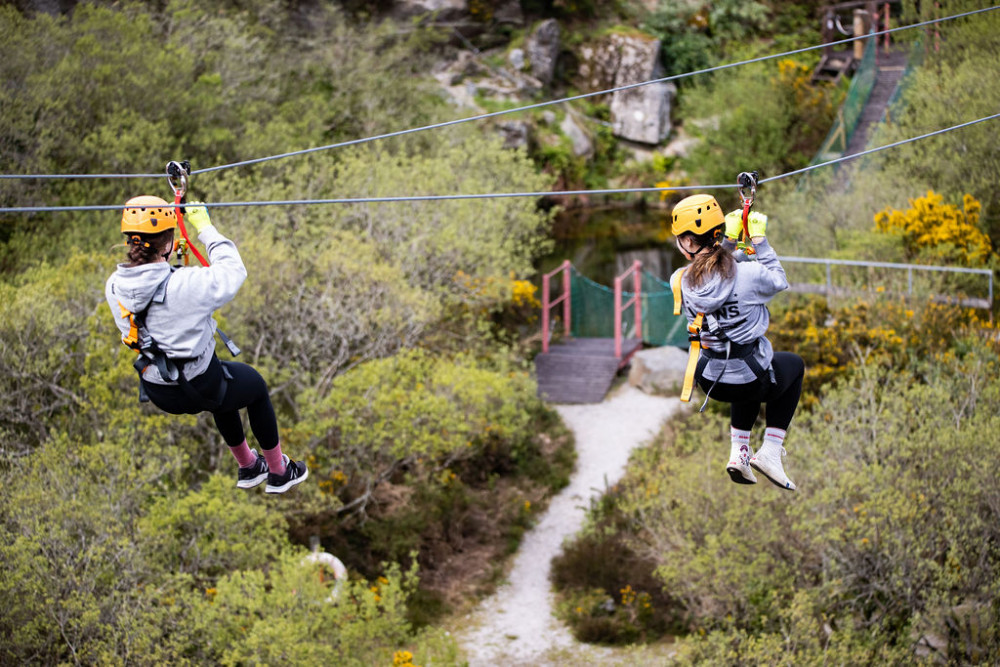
[829, 288]
[636, 272]
[548, 303]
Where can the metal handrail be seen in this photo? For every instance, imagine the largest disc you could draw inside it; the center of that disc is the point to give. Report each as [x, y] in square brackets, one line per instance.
[890, 265]
[548, 303]
[636, 271]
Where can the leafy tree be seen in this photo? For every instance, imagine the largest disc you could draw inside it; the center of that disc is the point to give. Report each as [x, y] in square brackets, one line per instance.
[773, 131]
[412, 412]
[946, 91]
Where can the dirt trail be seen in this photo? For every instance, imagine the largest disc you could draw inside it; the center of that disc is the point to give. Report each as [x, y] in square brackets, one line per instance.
[516, 625]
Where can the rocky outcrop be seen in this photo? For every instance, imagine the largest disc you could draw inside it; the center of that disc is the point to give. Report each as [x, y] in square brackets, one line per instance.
[515, 134]
[542, 49]
[640, 114]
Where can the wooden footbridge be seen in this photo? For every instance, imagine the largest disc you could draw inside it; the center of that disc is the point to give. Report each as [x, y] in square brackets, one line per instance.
[581, 370]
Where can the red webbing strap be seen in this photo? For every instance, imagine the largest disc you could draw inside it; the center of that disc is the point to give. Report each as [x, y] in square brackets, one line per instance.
[749, 250]
[180, 223]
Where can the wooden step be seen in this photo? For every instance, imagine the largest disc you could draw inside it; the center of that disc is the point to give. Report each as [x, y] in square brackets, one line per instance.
[574, 378]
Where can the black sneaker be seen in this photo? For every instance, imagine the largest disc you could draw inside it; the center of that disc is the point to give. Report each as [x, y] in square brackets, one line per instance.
[295, 473]
[254, 475]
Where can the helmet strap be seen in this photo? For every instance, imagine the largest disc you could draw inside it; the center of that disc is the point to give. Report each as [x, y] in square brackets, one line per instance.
[136, 240]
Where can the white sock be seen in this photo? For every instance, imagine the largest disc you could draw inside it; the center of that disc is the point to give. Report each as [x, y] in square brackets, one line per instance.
[774, 436]
[739, 440]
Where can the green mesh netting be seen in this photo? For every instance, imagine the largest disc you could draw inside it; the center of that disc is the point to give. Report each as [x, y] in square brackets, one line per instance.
[593, 311]
[914, 61]
[849, 114]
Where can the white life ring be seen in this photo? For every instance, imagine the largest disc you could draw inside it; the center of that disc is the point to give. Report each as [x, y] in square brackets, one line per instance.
[333, 565]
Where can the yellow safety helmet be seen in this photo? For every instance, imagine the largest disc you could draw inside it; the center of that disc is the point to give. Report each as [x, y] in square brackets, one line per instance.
[698, 214]
[147, 214]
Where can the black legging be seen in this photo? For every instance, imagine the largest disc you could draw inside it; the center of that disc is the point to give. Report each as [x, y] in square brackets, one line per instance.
[247, 389]
[782, 397]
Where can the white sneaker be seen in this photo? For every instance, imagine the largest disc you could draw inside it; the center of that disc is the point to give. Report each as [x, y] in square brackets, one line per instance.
[739, 465]
[768, 461]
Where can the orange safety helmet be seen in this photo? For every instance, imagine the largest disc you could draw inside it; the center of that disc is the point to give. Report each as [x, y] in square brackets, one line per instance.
[147, 214]
[698, 214]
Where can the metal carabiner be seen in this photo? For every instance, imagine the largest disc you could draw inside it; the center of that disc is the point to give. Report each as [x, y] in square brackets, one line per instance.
[177, 177]
[747, 180]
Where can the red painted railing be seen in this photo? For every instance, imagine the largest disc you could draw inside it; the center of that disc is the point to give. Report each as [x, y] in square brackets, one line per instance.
[636, 271]
[548, 303]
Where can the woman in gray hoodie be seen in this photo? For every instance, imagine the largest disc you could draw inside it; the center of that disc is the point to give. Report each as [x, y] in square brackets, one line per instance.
[165, 314]
[737, 364]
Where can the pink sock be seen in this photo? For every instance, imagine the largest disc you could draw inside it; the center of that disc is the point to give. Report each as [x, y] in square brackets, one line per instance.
[275, 460]
[243, 455]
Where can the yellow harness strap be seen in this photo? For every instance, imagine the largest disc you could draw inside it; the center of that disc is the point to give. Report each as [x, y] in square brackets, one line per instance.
[131, 339]
[694, 337]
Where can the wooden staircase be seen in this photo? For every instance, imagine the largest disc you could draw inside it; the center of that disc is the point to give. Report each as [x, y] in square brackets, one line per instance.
[581, 370]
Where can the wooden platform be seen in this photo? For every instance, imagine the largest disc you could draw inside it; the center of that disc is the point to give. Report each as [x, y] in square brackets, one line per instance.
[581, 370]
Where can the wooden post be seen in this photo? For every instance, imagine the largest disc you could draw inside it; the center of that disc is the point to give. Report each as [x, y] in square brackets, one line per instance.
[859, 31]
[545, 314]
[618, 317]
[637, 282]
[548, 303]
[937, 33]
[566, 304]
[885, 26]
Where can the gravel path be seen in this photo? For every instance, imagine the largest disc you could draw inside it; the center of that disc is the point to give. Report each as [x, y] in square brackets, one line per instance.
[516, 625]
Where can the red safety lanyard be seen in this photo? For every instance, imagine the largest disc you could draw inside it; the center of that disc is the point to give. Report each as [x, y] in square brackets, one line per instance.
[177, 176]
[747, 180]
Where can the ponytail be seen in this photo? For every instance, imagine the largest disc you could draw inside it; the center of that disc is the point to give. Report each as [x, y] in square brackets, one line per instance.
[148, 248]
[711, 261]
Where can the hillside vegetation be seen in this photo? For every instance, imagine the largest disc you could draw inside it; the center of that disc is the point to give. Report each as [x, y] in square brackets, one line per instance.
[396, 340]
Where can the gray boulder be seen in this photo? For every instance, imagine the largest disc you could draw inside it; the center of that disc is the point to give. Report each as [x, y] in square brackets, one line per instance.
[515, 134]
[659, 370]
[444, 10]
[542, 47]
[516, 59]
[509, 13]
[582, 145]
[640, 114]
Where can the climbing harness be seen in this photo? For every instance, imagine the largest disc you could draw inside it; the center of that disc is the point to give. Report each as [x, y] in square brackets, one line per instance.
[699, 355]
[149, 352]
[747, 180]
[178, 174]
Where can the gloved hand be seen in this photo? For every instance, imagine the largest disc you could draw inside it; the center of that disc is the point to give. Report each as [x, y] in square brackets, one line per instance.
[734, 224]
[756, 223]
[197, 215]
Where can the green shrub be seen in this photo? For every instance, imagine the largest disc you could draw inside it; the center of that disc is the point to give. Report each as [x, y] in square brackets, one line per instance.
[885, 549]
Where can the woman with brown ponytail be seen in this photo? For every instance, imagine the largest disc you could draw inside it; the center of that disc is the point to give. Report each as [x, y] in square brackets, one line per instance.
[737, 364]
[165, 314]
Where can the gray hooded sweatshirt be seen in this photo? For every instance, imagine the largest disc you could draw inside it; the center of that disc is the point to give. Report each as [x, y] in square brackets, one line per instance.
[182, 324]
[739, 308]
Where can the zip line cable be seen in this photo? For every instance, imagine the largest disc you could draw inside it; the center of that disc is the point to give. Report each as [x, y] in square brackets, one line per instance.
[675, 77]
[844, 158]
[507, 195]
[399, 133]
[74, 176]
